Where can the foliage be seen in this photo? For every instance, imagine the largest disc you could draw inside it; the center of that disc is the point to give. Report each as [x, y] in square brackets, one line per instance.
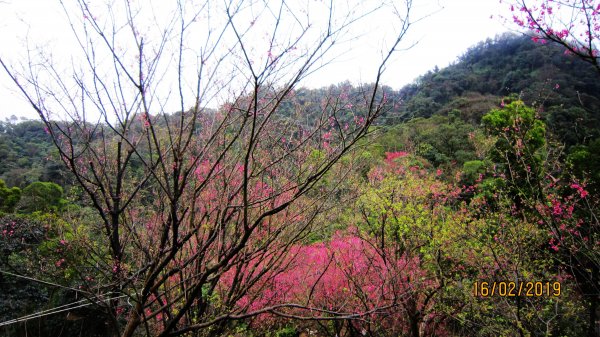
[184, 193]
[274, 214]
[9, 197]
[585, 163]
[542, 191]
[41, 196]
[26, 155]
[520, 146]
[39, 259]
[564, 88]
[439, 139]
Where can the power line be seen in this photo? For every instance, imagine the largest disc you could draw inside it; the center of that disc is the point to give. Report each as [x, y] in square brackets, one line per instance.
[55, 310]
[61, 308]
[43, 282]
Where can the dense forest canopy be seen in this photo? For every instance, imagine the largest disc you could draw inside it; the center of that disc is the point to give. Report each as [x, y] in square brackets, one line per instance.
[463, 204]
[564, 90]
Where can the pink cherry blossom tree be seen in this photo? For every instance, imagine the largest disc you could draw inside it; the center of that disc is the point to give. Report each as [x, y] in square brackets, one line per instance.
[574, 24]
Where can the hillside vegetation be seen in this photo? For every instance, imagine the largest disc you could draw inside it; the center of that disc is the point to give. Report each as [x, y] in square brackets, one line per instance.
[470, 210]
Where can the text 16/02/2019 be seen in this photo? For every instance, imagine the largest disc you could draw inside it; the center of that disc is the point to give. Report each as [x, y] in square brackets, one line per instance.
[512, 289]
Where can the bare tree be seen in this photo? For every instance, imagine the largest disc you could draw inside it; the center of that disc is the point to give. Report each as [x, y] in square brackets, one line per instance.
[184, 133]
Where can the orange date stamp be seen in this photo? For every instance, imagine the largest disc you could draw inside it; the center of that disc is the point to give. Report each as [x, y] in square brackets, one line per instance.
[516, 289]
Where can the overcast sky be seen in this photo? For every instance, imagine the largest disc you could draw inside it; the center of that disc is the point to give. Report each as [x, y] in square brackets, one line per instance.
[439, 38]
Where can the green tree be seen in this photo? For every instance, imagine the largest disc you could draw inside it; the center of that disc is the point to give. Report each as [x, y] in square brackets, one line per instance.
[520, 145]
[585, 163]
[41, 196]
[9, 197]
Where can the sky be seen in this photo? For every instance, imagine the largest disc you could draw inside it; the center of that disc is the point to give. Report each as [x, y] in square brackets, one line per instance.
[444, 30]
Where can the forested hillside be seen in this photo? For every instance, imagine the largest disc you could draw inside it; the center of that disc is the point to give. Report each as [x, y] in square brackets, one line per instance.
[564, 90]
[464, 204]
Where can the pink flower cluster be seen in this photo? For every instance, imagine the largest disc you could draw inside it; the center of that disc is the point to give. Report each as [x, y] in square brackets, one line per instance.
[346, 274]
[582, 192]
[391, 156]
